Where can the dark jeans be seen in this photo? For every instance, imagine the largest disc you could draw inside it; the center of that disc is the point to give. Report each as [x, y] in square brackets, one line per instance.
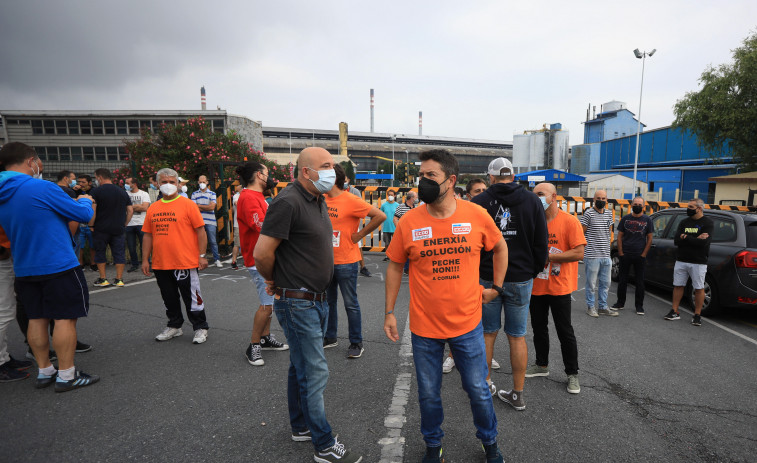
[133, 234]
[184, 283]
[638, 263]
[345, 279]
[560, 305]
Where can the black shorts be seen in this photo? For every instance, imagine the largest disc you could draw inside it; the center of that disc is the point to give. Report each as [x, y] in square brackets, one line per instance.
[117, 245]
[61, 296]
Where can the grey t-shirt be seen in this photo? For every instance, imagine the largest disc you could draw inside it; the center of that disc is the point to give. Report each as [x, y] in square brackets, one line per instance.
[305, 256]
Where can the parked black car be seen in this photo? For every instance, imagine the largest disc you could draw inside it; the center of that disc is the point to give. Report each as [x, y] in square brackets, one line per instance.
[731, 279]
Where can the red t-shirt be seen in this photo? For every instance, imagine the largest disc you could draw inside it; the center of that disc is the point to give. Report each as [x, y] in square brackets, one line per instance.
[251, 209]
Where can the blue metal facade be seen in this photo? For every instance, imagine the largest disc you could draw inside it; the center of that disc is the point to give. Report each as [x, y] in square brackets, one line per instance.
[610, 125]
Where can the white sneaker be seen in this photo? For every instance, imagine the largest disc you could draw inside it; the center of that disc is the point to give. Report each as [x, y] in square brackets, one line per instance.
[492, 387]
[495, 365]
[449, 364]
[201, 336]
[169, 333]
[219, 264]
[592, 312]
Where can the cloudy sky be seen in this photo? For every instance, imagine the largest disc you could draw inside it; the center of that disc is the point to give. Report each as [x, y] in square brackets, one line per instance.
[478, 69]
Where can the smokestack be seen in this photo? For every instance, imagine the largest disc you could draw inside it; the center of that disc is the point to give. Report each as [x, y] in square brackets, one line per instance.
[202, 97]
[371, 110]
[594, 112]
[420, 122]
[588, 110]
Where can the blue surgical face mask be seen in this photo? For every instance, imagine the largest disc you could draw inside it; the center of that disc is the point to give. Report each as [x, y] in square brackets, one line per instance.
[73, 183]
[544, 202]
[326, 180]
[153, 187]
[127, 187]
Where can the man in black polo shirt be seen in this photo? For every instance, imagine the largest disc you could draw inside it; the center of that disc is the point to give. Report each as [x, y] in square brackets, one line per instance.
[294, 255]
[113, 211]
[634, 240]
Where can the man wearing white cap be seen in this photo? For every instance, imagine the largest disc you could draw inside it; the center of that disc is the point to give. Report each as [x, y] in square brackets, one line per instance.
[520, 217]
[183, 187]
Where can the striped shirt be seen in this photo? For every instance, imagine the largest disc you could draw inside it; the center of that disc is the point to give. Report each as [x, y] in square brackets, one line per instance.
[401, 210]
[203, 198]
[597, 233]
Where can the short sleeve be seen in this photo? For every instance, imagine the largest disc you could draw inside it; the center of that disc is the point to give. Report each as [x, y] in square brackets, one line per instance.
[278, 220]
[492, 233]
[362, 208]
[622, 225]
[585, 220]
[195, 217]
[147, 226]
[145, 198]
[577, 237]
[650, 226]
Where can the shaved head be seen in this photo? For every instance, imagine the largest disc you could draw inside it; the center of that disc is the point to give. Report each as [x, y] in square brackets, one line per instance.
[310, 161]
[546, 188]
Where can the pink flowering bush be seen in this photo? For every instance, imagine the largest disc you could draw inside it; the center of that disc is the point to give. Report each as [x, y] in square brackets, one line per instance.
[190, 148]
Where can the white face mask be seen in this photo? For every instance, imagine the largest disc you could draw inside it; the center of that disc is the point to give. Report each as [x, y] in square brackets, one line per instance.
[203, 186]
[390, 198]
[168, 189]
[183, 188]
[37, 174]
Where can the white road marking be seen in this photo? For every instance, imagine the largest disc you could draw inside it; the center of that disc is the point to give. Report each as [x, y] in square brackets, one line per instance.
[393, 443]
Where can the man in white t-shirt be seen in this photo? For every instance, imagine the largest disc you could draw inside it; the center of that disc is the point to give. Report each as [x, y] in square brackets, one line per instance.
[235, 249]
[140, 201]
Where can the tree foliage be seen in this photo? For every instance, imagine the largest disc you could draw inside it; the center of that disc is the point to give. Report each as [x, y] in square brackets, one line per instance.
[191, 148]
[724, 110]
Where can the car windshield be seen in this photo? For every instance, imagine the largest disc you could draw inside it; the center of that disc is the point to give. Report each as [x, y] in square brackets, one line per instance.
[751, 235]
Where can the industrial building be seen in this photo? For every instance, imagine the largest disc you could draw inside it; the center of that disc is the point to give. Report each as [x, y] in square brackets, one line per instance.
[545, 148]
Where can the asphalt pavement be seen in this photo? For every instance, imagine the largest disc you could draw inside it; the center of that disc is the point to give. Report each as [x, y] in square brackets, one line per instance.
[651, 390]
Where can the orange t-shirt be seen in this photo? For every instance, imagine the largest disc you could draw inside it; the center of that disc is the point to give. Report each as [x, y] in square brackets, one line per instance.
[172, 224]
[559, 279]
[345, 212]
[445, 295]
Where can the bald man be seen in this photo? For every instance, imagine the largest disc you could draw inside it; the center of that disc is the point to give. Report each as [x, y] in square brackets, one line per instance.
[553, 288]
[295, 256]
[597, 224]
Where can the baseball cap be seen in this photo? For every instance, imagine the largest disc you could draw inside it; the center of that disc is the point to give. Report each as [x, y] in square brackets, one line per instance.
[497, 166]
[182, 180]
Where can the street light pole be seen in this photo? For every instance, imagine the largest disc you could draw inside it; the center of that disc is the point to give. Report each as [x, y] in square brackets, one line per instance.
[407, 168]
[393, 137]
[642, 57]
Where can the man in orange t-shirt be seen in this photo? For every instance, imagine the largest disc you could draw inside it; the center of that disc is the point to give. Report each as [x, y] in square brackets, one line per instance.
[553, 287]
[345, 212]
[443, 240]
[175, 234]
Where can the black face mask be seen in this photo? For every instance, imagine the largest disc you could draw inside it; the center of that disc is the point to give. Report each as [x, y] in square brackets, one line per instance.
[428, 190]
[637, 209]
[691, 212]
[270, 183]
[600, 204]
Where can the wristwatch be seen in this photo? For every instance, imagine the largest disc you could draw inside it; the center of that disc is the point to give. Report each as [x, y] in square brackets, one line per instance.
[499, 289]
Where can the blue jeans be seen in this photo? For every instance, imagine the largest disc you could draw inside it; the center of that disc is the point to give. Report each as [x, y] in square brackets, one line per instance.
[304, 323]
[134, 233]
[598, 272]
[470, 359]
[345, 279]
[212, 231]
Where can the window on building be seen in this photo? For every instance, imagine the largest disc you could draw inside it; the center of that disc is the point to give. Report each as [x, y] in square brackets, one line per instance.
[89, 153]
[73, 127]
[110, 127]
[60, 127]
[123, 154]
[121, 127]
[49, 127]
[65, 153]
[100, 153]
[97, 127]
[76, 154]
[145, 124]
[41, 152]
[52, 153]
[133, 127]
[37, 127]
[112, 153]
[218, 125]
[86, 127]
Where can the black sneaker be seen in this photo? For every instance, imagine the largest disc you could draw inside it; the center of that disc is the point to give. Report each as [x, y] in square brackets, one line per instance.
[234, 265]
[93, 267]
[364, 271]
[386, 259]
[8, 374]
[617, 306]
[271, 343]
[336, 453]
[44, 381]
[697, 320]
[254, 355]
[102, 282]
[81, 379]
[433, 455]
[640, 311]
[493, 455]
[672, 315]
[82, 347]
[302, 436]
[355, 351]
[19, 365]
[30, 355]
[330, 342]
[133, 268]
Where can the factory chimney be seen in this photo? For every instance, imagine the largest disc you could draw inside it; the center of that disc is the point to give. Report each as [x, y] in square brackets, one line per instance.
[420, 122]
[202, 97]
[371, 110]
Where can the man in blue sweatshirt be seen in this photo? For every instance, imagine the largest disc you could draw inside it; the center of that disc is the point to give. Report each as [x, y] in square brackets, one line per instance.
[520, 216]
[35, 214]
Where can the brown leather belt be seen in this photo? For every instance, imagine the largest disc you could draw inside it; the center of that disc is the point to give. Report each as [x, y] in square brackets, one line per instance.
[297, 294]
